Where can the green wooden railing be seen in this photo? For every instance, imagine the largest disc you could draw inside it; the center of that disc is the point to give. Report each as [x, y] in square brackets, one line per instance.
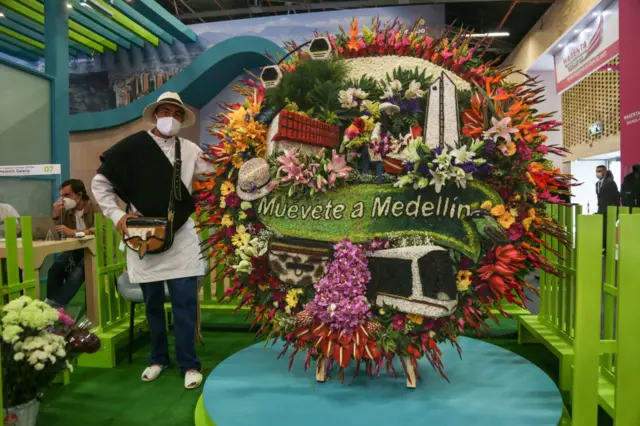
[554, 325]
[589, 322]
[15, 287]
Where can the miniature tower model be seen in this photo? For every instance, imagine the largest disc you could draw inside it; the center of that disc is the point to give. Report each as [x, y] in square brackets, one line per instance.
[442, 121]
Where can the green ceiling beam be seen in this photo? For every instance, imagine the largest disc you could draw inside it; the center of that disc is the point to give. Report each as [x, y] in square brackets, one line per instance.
[28, 31]
[164, 19]
[108, 34]
[22, 20]
[83, 31]
[27, 47]
[39, 18]
[121, 19]
[99, 18]
[142, 20]
[15, 51]
[14, 34]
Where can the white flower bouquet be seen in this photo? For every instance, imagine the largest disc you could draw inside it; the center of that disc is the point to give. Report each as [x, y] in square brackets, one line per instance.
[38, 341]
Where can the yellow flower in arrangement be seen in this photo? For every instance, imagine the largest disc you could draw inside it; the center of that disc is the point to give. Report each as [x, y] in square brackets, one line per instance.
[513, 212]
[255, 130]
[527, 223]
[508, 149]
[416, 319]
[369, 124]
[241, 238]
[245, 205]
[228, 148]
[227, 220]
[292, 297]
[497, 211]
[237, 161]
[227, 187]
[263, 287]
[506, 220]
[223, 203]
[487, 205]
[464, 280]
[531, 213]
[242, 216]
[237, 118]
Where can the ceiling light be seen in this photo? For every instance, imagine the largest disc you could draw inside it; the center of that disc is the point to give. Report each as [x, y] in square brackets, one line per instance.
[503, 34]
[561, 45]
[69, 6]
[1, 15]
[595, 14]
[576, 31]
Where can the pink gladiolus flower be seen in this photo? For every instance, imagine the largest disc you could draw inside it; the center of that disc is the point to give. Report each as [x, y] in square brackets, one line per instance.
[501, 128]
[64, 318]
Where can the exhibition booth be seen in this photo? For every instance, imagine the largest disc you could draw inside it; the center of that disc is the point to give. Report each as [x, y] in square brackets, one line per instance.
[380, 220]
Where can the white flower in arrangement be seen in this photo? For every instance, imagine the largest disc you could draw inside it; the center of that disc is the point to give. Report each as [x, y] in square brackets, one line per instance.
[414, 91]
[368, 105]
[395, 85]
[461, 177]
[439, 179]
[18, 304]
[476, 145]
[11, 333]
[350, 98]
[462, 155]
[245, 205]
[411, 152]
[404, 180]
[443, 160]
[421, 183]
[376, 133]
[19, 356]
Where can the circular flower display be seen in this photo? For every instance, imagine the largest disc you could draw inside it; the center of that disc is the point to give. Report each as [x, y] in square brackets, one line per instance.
[384, 196]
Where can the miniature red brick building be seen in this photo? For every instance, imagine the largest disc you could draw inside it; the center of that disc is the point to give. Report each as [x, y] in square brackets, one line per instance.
[296, 127]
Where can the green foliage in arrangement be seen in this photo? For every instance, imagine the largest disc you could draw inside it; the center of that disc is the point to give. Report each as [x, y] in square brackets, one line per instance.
[368, 84]
[307, 83]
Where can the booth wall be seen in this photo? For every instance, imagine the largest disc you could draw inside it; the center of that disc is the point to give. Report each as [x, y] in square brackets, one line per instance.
[560, 16]
[86, 147]
[595, 98]
[25, 138]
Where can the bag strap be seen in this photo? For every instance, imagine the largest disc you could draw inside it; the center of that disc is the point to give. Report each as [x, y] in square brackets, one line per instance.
[176, 187]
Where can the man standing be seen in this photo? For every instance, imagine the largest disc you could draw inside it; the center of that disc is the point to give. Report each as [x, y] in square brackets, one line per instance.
[608, 195]
[74, 213]
[631, 188]
[139, 171]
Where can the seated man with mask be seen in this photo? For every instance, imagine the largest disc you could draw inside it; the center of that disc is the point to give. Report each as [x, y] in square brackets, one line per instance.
[74, 214]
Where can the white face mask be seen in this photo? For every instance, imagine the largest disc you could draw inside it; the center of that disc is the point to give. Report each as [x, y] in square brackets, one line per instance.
[168, 126]
[599, 175]
[69, 203]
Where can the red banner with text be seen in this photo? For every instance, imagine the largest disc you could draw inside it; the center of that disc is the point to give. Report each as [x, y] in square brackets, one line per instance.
[629, 84]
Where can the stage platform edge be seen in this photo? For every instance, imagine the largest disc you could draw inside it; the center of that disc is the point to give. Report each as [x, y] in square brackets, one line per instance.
[490, 386]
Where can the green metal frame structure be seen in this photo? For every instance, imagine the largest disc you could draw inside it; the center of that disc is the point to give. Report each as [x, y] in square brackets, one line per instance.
[93, 26]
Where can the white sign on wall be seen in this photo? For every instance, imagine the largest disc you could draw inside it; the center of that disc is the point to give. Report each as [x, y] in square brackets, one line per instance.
[30, 170]
[596, 45]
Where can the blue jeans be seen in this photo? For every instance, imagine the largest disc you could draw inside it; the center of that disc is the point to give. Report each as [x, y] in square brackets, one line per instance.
[183, 293]
[65, 277]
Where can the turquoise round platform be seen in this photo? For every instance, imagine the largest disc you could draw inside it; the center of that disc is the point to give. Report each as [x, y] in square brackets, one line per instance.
[490, 386]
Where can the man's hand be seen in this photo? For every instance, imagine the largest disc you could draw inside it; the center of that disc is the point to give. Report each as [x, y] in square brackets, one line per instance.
[58, 208]
[66, 231]
[122, 225]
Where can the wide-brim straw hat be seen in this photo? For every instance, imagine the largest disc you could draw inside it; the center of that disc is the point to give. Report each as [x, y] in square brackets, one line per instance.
[169, 98]
[253, 180]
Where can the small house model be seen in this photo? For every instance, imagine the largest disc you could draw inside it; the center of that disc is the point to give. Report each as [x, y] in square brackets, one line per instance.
[415, 280]
[294, 131]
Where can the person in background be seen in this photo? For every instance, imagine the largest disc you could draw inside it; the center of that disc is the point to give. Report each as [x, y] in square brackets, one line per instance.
[631, 188]
[139, 171]
[74, 213]
[608, 195]
[6, 210]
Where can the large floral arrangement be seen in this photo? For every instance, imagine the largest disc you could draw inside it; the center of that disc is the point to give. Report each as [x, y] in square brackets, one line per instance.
[38, 342]
[374, 88]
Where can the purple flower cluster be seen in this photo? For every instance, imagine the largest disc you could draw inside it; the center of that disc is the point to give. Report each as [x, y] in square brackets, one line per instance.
[340, 300]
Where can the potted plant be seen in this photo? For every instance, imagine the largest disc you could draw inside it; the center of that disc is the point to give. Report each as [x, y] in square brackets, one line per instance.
[38, 342]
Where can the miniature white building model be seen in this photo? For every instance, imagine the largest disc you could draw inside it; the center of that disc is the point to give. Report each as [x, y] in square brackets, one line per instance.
[442, 120]
[416, 280]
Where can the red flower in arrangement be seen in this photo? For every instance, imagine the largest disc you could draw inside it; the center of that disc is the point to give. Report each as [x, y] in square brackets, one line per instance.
[500, 275]
[516, 231]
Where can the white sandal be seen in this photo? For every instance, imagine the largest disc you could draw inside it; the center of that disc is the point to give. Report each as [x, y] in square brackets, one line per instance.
[192, 379]
[152, 372]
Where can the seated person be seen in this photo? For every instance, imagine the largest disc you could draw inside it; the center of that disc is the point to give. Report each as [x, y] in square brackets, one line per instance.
[74, 212]
[6, 211]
